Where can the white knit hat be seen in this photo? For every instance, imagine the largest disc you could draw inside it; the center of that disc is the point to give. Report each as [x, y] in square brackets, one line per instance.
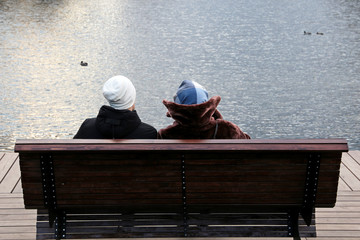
[120, 92]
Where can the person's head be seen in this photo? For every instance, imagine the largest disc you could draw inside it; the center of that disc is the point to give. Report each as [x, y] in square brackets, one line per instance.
[120, 93]
[190, 92]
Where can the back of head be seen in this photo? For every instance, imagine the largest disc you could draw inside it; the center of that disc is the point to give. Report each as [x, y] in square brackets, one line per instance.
[190, 92]
[119, 92]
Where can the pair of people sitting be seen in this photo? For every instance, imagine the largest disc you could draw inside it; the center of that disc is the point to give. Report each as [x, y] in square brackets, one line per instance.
[195, 115]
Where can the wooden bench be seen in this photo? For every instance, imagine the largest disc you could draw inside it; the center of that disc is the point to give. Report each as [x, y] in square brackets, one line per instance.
[178, 188]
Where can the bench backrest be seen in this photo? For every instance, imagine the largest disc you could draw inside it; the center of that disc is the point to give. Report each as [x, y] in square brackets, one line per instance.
[115, 173]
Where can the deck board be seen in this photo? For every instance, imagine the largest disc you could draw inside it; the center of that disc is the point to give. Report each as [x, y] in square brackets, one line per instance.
[15, 221]
[355, 155]
[353, 166]
[340, 223]
[12, 177]
[6, 163]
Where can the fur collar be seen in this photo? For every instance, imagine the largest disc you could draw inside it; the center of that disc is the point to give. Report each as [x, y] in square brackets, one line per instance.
[196, 114]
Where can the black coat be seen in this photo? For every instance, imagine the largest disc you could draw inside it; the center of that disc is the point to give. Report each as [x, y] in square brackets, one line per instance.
[115, 124]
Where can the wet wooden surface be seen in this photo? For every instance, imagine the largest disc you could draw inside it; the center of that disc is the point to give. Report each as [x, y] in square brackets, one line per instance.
[341, 222]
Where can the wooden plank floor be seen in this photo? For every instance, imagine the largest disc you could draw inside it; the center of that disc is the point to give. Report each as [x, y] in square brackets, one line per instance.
[15, 221]
[340, 223]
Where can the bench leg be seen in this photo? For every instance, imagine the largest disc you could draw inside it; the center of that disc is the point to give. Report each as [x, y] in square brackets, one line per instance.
[293, 224]
[311, 186]
[60, 225]
[185, 210]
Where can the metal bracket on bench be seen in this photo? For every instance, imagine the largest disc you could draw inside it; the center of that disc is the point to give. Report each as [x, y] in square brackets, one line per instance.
[60, 225]
[49, 193]
[293, 224]
[48, 184]
[183, 180]
[311, 185]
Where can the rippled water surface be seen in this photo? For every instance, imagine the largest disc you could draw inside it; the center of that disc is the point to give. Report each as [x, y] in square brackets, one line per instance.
[275, 82]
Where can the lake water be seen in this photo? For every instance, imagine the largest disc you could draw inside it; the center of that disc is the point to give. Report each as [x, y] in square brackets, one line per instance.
[275, 82]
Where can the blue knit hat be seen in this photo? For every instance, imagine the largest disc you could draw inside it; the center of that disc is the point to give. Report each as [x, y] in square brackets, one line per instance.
[190, 92]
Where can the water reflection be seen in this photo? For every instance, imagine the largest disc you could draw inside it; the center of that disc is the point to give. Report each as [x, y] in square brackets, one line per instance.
[274, 81]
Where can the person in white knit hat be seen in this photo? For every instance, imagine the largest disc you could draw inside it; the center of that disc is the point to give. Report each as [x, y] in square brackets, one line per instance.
[119, 120]
[120, 92]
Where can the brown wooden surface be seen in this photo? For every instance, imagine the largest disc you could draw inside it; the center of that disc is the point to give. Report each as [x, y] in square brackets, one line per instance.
[86, 179]
[340, 223]
[214, 175]
[179, 145]
[258, 178]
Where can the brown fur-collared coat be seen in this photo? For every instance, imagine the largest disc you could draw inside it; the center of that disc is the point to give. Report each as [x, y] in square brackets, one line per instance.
[198, 121]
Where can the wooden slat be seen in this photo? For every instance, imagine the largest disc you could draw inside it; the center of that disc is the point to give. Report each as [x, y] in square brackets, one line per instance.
[355, 155]
[12, 177]
[6, 163]
[16, 222]
[18, 187]
[160, 225]
[350, 172]
[343, 186]
[180, 145]
[115, 225]
[222, 238]
[17, 236]
[352, 165]
[17, 229]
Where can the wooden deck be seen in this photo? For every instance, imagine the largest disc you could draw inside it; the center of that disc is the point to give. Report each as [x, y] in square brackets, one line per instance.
[341, 222]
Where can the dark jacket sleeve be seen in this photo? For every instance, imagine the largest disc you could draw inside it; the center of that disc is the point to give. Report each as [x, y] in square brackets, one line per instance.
[144, 131]
[81, 133]
[88, 130]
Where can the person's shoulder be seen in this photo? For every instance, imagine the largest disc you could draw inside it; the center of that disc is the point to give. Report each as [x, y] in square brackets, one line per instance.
[87, 125]
[229, 129]
[226, 124]
[146, 130]
[148, 125]
[177, 131]
[89, 120]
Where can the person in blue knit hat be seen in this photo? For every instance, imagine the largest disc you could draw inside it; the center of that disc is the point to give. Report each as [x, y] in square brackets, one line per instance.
[196, 116]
